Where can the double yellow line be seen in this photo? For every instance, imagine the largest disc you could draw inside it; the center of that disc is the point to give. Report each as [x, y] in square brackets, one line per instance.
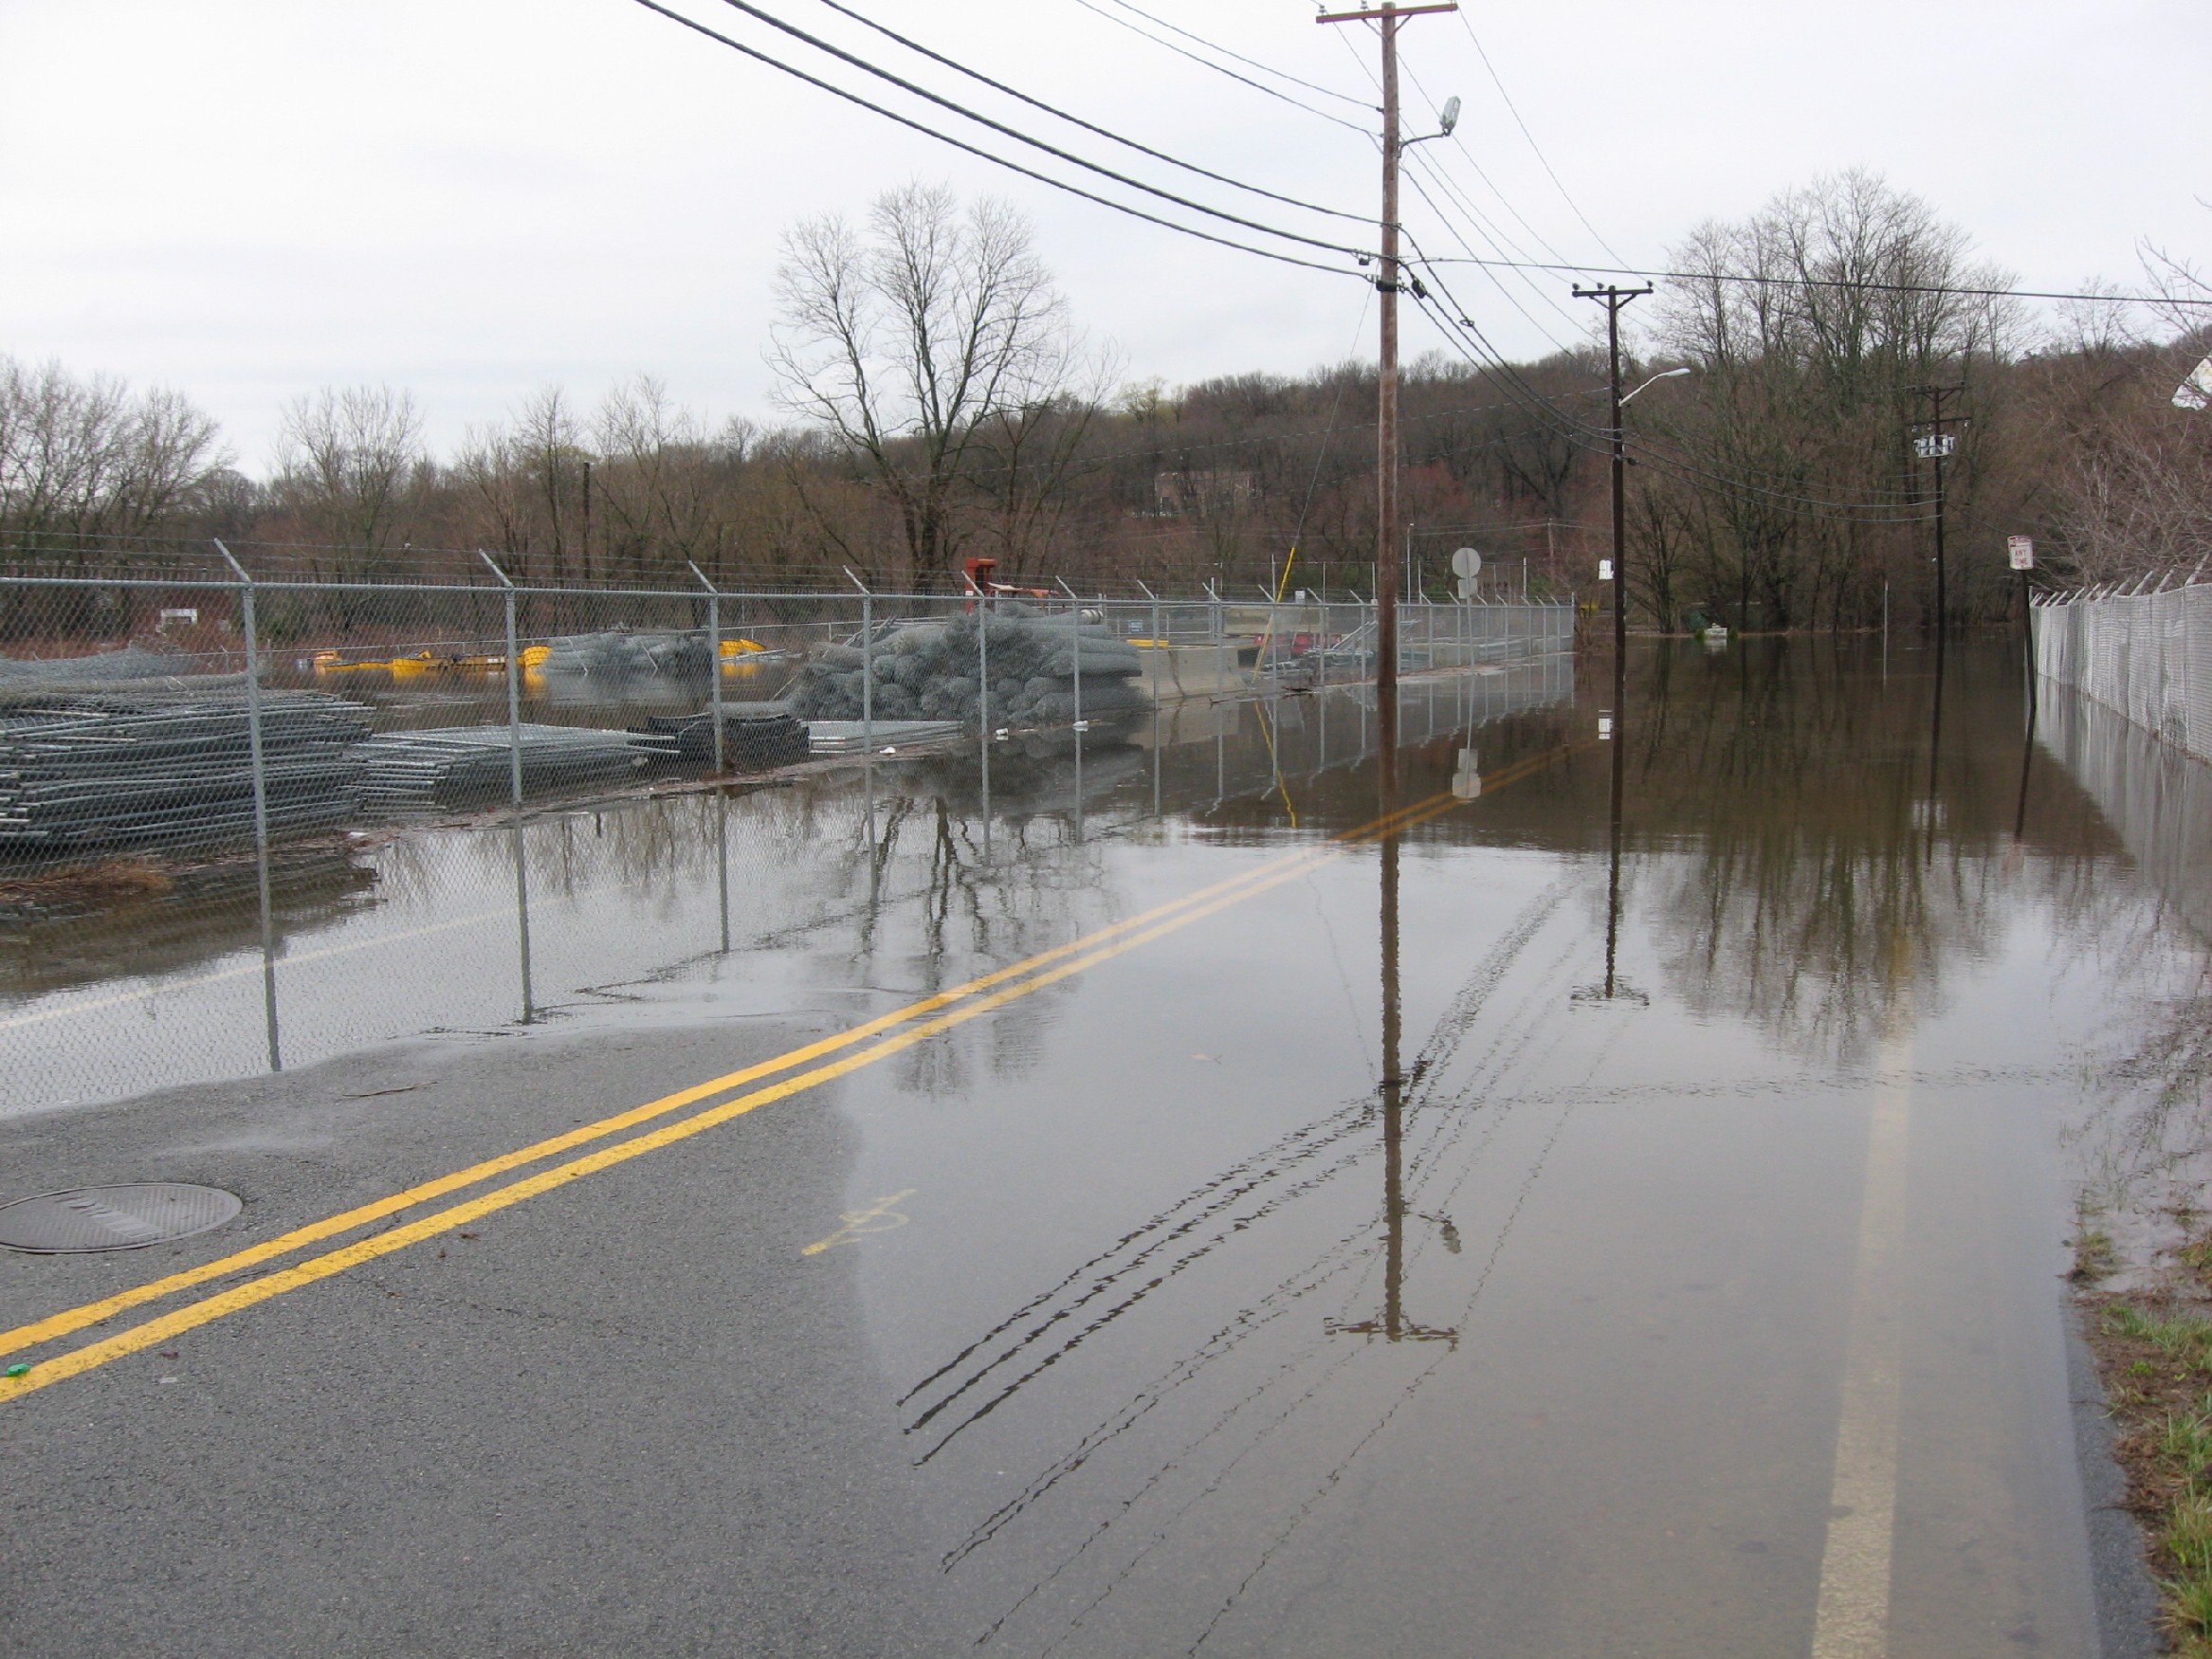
[868, 1042]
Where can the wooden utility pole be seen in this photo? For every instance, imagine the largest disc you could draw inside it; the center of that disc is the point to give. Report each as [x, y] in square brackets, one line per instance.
[1936, 445]
[1615, 298]
[1387, 281]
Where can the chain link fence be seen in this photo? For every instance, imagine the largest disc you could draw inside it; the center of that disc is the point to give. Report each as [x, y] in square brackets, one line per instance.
[250, 821]
[2145, 656]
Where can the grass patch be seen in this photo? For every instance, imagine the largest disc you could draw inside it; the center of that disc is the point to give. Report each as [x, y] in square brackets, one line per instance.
[2094, 1254]
[2156, 1356]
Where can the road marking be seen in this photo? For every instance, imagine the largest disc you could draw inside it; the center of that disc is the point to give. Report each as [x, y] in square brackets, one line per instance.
[1852, 1620]
[877, 1217]
[1151, 924]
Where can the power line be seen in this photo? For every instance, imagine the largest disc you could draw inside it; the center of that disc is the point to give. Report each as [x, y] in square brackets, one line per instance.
[759, 16]
[1219, 68]
[1815, 283]
[909, 121]
[1420, 166]
[1580, 435]
[1039, 103]
[1537, 149]
[1249, 62]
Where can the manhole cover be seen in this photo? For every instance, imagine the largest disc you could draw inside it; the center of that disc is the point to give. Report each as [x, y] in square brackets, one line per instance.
[112, 1218]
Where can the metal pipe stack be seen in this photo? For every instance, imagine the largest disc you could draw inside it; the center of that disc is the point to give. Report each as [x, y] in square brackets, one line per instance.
[452, 766]
[91, 769]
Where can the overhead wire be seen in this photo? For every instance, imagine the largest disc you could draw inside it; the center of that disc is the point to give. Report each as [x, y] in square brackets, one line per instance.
[1038, 104]
[1218, 68]
[1862, 284]
[1582, 433]
[1239, 57]
[1537, 149]
[1598, 440]
[978, 151]
[830, 49]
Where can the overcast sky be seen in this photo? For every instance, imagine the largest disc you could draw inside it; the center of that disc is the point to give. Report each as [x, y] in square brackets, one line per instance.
[247, 199]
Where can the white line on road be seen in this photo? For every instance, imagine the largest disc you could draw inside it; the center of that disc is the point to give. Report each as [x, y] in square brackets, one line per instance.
[1852, 1617]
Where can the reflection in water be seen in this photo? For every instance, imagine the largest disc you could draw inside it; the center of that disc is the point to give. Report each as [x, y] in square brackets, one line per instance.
[2148, 1140]
[1819, 851]
[171, 919]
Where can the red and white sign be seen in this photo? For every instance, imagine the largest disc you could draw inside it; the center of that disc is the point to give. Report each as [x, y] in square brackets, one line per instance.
[2023, 549]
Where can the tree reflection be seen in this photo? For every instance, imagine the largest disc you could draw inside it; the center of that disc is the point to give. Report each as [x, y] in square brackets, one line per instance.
[1820, 843]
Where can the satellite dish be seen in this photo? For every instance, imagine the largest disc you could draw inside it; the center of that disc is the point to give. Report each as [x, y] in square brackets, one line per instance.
[1467, 564]
[1448, 118]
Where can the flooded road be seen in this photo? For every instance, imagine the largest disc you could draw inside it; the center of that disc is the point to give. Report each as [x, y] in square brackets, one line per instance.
[1598, 1190]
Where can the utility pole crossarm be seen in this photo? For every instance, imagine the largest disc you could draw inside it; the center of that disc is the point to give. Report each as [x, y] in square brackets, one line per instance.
[1381, 12]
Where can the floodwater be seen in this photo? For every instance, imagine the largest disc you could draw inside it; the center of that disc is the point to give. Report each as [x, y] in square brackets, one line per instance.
[1625, 1213]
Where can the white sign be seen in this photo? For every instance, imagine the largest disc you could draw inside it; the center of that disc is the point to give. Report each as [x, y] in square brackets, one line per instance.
[1605, 570]
[189, 616]
[1467, 564]
[1936, 447]
[2196, 392]
[2023, 549]
[1467, 589]
[1605, 728]
[1467, 780]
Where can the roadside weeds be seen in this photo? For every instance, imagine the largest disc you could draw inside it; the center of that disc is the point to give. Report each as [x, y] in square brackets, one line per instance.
[2153, 1349]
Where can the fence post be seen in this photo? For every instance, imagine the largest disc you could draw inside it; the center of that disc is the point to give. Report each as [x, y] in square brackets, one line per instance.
[1156, 647]
[515, 787]
[721, 799]
[866, 664]
[983, 706]
[249, 622]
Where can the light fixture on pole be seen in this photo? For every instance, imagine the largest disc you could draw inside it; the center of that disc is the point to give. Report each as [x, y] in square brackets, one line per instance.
[1662, 374]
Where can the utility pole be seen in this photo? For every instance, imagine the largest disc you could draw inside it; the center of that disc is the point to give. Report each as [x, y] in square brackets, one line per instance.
[1388, 281]
[1936, 445]
[1613, 298]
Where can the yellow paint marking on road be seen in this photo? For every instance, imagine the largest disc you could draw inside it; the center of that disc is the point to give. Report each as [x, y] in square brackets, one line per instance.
[1176, 914]
[878, 1218]
[94, 1355]
[92, 1313]
[1852, 1618]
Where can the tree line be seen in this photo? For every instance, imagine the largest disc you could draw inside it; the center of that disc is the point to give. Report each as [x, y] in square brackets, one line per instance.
[938, 403]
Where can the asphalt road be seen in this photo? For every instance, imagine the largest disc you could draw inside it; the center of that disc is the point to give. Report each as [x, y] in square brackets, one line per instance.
[628, 1417]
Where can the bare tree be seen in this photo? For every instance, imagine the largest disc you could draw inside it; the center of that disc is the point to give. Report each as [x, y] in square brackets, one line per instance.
[348, 464]
[85, 460]
[1810, 321]
[915, 342]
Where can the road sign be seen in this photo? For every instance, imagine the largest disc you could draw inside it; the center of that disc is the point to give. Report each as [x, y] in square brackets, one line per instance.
[1936, 447]
[1467, 589]
[1467, 564]
[1467, 779]
[1605, 570]
[2023, 549]
[2196, 392]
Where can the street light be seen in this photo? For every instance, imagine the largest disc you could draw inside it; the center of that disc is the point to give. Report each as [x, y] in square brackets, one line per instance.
[1662, 374]
[1447, 119]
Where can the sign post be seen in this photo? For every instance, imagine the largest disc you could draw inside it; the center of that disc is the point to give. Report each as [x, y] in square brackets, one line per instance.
[2021, 551]
[1467, 566]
